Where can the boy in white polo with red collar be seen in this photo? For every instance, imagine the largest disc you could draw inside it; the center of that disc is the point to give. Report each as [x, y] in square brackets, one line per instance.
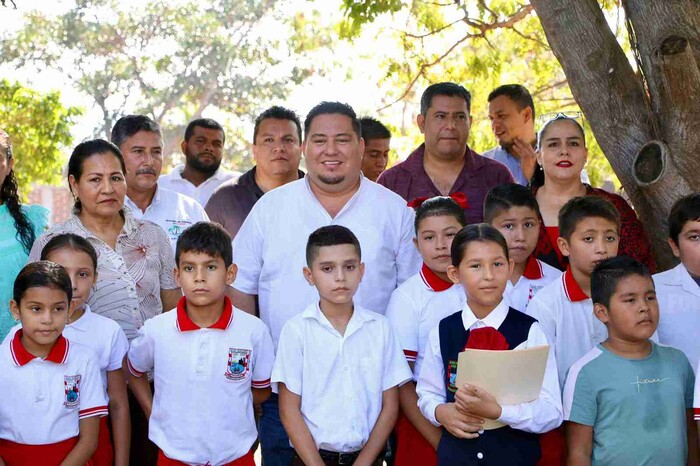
[210, 361]
[589, 229]
[338, 365]
[53, 389]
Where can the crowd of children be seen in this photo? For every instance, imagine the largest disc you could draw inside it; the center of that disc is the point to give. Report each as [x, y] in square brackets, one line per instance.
[619, 375]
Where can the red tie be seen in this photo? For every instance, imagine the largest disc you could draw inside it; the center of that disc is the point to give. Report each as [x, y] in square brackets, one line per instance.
[486, 338]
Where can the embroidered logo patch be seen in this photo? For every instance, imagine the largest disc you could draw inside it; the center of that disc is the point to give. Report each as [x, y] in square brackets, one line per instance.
[71, 386]
[452, 376]
[238, 363]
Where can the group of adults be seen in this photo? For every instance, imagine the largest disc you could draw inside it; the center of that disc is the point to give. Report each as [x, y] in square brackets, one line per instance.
[133, 215]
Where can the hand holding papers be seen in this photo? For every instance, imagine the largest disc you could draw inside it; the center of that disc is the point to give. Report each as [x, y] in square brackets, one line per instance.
[512, 377]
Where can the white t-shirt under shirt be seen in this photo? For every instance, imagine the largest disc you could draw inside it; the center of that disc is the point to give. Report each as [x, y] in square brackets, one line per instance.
[270, 248]
[175, 182]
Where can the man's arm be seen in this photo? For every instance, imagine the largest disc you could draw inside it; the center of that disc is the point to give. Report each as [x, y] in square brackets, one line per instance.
[579, 444]
[298, 431]
[243, 301]
[87, 442]
[382, 428]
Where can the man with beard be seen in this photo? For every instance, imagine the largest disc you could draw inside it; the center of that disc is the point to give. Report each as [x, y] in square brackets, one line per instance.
[512, 115]
[140, 140]
[201, 173]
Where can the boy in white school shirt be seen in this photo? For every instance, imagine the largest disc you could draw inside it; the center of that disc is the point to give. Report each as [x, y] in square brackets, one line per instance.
[210, 361]
[338, 365]
[678, 289]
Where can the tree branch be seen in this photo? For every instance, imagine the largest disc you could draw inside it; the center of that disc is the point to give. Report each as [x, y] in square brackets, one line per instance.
[11, 1]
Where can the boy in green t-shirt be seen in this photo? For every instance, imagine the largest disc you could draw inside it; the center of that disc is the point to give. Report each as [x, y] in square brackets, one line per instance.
[629, 401]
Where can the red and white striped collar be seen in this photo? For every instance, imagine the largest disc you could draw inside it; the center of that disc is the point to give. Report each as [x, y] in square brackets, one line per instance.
[432, 280]
[20, 356]
[572, 289]
[533, 269]
[185, 324]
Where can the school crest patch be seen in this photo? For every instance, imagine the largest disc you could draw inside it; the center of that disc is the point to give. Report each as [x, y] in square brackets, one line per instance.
[71, 386]
[452, 376]
[238, 363]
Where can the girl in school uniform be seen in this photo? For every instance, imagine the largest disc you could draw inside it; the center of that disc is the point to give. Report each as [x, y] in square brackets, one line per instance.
[52, 392]
[481, 264]
[415, 308]
[102, 335]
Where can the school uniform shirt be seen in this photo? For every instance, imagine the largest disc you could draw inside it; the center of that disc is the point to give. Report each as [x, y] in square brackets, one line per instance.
[46, 398]
[203, 404]
[679, 311]
[102, 335]
[171, 211]
[536, 275]
[340, 378]
[637, 407]
[541, 415]
[175, 182]
[270, 248]
[417, 306]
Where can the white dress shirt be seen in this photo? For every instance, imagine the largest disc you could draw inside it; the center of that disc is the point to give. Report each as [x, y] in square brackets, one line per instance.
[340, 378]
[541, 415]
[171, 211]
[175, 182]
[270, 248]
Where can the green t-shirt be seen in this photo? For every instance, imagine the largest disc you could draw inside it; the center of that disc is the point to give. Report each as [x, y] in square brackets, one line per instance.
[637, 407]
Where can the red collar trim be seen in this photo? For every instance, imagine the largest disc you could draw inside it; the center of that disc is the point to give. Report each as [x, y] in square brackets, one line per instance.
[573, 291]
[533, 269]
[432, 280]
[20, 356]
[185, 324]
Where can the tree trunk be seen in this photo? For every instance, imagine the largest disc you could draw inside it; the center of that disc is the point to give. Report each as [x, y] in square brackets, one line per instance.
[623, 116]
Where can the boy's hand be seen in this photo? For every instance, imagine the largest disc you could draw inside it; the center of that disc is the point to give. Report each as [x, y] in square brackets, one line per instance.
[476, 401]
[459, 424]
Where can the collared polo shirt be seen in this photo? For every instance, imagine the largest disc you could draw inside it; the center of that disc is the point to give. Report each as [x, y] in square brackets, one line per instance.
[270, 249]
[175, 182]
[541, 415]
[340, 378]
[679, 311]
[46, 398]
[536, 275]
[416, 307]
[102, 335]
[171, 211]
[479, 174]
[203, 404]
[232, 201]
[499, 154]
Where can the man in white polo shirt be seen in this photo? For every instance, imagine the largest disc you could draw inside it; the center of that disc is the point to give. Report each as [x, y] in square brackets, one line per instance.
[202, 172]
[270, 246]
[140, 140]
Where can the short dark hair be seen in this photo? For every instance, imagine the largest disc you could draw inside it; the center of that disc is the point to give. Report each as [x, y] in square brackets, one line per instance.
[580, 208]
[684, 210]
[447, 89]
[506, 196]
[207, 238]
[482, 232]
[127, 126]
[207, 123]
[439, 206]
[331, 235]
[373, 129]
[277, 112]
[608, 273]
[329, 108]
[84, 151]
[42, 274]
[70, 241]
[517, 93]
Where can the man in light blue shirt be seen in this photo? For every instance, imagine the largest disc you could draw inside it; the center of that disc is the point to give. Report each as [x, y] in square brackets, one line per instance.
[512, 115]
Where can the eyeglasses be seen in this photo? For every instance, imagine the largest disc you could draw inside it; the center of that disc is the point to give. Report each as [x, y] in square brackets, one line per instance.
[545, 118]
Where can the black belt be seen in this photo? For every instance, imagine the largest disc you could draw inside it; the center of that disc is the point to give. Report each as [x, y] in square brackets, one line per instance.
[340, 459]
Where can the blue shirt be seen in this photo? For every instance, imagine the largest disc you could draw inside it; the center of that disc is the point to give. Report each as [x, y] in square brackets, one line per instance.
[499, 154]
[637, 407]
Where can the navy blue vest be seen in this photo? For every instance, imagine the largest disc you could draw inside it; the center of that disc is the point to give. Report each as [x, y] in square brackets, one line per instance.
[504, 446]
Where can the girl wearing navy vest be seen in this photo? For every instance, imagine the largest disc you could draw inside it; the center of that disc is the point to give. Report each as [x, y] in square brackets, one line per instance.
[480, 263]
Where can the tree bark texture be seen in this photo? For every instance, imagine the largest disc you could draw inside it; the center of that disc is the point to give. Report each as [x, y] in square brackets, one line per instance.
[624, 114]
